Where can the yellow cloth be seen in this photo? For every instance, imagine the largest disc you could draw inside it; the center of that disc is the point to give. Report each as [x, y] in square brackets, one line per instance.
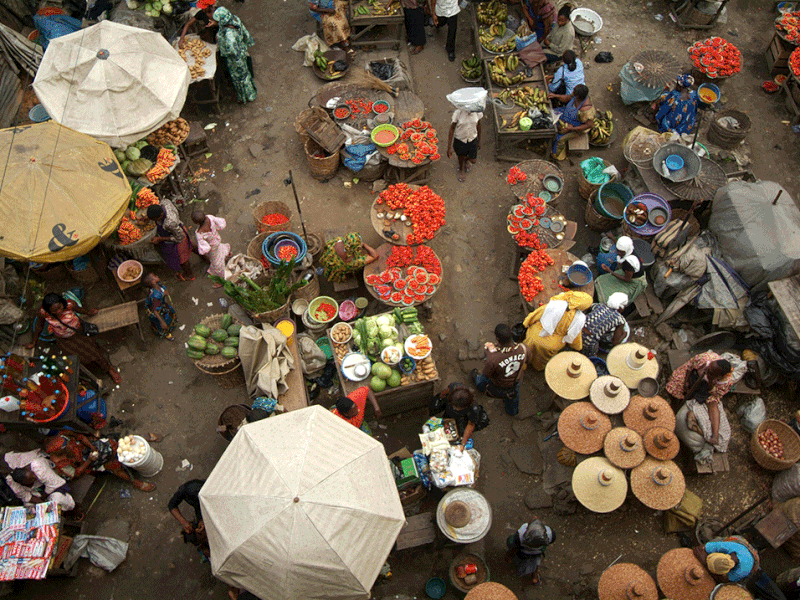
[545, 348]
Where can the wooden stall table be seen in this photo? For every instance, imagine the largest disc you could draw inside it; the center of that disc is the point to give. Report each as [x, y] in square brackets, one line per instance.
[378, 266]
[407, 107]
[787, 295]
[476, 26]
[405, 171]
[361, 25]
[550, 279]
[296, 396]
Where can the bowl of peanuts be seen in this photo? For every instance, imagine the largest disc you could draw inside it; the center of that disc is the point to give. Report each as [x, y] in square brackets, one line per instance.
[130, 271]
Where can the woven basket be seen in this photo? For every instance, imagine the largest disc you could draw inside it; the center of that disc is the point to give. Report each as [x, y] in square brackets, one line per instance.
[213, 364]
[727, 138]
[324, 168]
[315, 244]
[254, 247]
[233, 377]
[595, 220]
[142, 249]
[585, 188]
[268, 208]
[272, 315]
[309, 291]
[787, 436]
[626, 229]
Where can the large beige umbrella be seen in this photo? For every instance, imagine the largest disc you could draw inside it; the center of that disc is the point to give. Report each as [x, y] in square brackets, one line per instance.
[301, 505]
[114, 82]
[61, 192]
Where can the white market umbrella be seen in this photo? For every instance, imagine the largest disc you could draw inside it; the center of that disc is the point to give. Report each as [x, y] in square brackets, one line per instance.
[113, 82]
[301, 505]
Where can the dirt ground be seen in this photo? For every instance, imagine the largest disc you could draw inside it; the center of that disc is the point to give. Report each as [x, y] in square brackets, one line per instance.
[163, 392]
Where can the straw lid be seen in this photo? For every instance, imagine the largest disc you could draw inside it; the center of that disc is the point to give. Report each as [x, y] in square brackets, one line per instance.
[661, 443]
[626, 581]
[730, 591]
[624, 448]
[632, 363]
[681, 575]
[583, 428]
[598, 485]
[457, 514]
[609, 394]
[490, 591]
[658, 484]
[570, 375]
[645, 413]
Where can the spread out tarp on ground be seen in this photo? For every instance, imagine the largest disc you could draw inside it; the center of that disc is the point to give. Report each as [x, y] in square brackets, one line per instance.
[61, 193]
[301, 505]
[759, 238]
[113, 82]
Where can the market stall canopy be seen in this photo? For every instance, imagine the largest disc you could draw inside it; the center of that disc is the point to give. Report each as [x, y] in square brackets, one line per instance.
[301, 505]
[758, 238]
[113, 82]
[61, 192]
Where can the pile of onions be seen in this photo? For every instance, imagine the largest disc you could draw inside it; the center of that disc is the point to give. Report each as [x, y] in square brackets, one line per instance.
[130, 450]
[770, 441]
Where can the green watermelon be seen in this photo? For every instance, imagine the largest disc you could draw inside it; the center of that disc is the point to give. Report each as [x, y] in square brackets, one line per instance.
[234, 329]
[229, 352]
[132, 152]
[212, 348]
[394, 379]
[194, 354]
[202, 330]
[219, 335]
[232, 341]
[120, 154]
[227, 321]
[197, 343]
[377, 384]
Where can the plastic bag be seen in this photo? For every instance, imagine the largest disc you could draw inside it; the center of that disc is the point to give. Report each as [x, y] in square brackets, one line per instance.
[312, 357]
[392, 71]
[355, 156]
[9, 403]
[309, 44]
[593, 170]
[604, 57]
[751, 414]
[9, 312]
[523, 42]
[470, 99]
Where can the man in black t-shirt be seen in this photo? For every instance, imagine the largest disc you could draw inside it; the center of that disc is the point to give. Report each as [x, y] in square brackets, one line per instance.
[503, 367]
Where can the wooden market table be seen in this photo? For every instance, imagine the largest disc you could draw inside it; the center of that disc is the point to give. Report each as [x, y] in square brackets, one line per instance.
[787, 295]
[361, 25]
[482, 52]
[405, 171]
[550, 279]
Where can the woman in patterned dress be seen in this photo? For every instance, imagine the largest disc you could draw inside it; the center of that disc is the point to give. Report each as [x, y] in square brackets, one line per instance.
[677, 110]
[209, 242]
[332, 14]
[234, 40]
[602, 320]
[159, 307]
[345, 255]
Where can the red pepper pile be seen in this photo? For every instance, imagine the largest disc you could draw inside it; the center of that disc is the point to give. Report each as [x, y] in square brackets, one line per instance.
[516, 175]
[274, 219]
[395, 287]
[526, 239]
[325, 312]
[529, 283]
[794, 62]
[716, 57]
[380, 107]
[423, 207]
[422, 256]
[416, 143]
[287, 253]
[790, 25]
[359, 106]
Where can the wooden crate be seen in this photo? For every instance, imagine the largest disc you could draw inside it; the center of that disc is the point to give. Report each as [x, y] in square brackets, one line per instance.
[777, 55]
[419, 530]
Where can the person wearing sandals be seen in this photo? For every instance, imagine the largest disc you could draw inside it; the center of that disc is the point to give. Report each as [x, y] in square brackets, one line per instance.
[73, 454]
[158, 305]
[172, 238]
[414, 14]
[61, 317]
[527, 546]
[465, 139]
[209, 242]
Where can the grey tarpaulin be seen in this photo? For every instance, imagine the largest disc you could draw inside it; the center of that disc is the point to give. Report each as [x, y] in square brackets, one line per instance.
[761, 241]
[772, 337]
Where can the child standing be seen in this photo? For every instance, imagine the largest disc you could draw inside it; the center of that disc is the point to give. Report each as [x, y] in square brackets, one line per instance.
[465, 139]
[210, 243]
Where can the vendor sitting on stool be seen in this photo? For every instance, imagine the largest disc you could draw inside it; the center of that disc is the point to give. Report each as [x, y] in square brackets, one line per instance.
[343, 256]
[576, 118]
[603, 321]
[677, 110]
[458, 403]
[353, 407]
[628, 277]
[33, 480]
[729, 560]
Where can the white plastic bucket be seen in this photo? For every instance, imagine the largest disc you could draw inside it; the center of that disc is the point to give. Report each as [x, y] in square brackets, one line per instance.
[151, 463]
[316, 329]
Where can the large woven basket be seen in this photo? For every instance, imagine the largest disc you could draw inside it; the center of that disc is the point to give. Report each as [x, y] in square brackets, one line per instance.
[322, 168]
[254, 247]
[268, 208]
[595, 220]
[229, 379]
[308, 291]
[728, 138]
[213, 364]
[586, 189]
[142, 249]
[789, 439]
[271, 316]
[315, 244]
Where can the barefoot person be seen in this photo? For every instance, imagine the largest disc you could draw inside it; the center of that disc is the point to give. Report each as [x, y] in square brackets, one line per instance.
[465, 139]
[209, 242]
[172, 239]
[159, 307]
[62, 320]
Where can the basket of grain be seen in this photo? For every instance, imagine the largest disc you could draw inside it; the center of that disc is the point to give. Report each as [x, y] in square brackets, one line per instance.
[774, 445]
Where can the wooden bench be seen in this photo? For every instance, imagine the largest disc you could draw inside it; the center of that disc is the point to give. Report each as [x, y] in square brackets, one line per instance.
[418, 531]
[116, 317]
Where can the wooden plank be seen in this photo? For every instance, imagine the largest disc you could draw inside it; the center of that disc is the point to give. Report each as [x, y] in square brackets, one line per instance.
[719, 464]
[114, 317]
[418, 531]
[653, 301]
[787, 294]
[776, 528]
[641, 306]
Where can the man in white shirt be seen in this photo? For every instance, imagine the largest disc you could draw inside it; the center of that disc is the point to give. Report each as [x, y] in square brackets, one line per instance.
[465, 139]
[38, 482]
[445, 12]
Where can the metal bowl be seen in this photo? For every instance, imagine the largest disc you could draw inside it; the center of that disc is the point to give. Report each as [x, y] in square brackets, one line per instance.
[648, 387]
[691, 163]
[657, 217]
[552, 183]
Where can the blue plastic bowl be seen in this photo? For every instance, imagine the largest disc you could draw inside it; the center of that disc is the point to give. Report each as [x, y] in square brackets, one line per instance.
[274, 240]
[674, 162]
[579, 275]
[435, 588]
[38, 114]
[599, 365]
[711, 87]
[413, 364]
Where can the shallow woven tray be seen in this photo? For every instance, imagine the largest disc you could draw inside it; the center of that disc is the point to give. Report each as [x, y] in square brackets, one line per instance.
[703, 187]
[216, 363]
[533, 185]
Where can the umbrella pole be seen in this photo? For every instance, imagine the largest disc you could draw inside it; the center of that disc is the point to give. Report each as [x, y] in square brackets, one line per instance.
[299, 210]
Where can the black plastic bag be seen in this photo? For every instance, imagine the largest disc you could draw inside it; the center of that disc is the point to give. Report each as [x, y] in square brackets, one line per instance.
[381, 70]
[771, 340]
[340, 65]
[518, 332]
[604, 57]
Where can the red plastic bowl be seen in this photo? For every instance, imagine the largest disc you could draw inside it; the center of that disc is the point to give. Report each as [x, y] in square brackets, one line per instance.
[770, 87]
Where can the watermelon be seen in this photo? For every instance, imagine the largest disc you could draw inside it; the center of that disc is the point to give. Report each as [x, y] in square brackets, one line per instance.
[394, 379]
[202, 330]
[397, 297]
[377, 384]
[227, 321]
[233, 330]
[196, 342]
[229, 352]
[194, 354]
[212, 348]
[232, 341]
[120, 155]
[219, 335]
[434, 279]
[373, 280]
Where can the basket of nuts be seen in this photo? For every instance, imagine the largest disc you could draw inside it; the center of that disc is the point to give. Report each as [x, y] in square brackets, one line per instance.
[775, 445]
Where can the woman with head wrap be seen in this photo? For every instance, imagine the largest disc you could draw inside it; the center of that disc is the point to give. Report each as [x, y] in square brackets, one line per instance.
[605, 320]
[527, 546]
[234, 41]
[677, 110]
[628, 278]
[554, 325]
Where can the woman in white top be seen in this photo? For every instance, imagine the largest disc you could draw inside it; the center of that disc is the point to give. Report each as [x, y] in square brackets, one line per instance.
[465, 139]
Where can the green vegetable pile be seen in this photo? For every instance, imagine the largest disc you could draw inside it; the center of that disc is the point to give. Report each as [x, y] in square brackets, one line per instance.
[224, 341]
[257, 299]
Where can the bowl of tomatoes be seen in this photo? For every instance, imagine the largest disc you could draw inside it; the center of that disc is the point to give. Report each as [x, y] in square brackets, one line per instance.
[342, 112]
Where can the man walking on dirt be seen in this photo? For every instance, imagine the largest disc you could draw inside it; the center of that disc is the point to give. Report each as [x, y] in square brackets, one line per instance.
[503, 368]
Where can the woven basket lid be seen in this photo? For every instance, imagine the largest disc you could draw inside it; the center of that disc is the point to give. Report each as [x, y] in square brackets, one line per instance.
[624, 448]
[658, 484]
[457, 514]
[609, 394]
[626, 581]
[570, 375]
[730, 591]
[680, 575]
[631, 363]
[582, 428]
[661, 443]
[598, 485]
[643, 414]
[490, 591]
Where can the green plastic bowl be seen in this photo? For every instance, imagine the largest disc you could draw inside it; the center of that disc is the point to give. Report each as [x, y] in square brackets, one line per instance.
[435, 588]
[386, 127]
[325, 346]
[525, 124]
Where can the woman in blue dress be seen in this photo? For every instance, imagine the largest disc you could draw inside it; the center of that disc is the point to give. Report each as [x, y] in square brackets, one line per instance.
[576, 117]
[159, 307]
[568, 75]
[677, 110]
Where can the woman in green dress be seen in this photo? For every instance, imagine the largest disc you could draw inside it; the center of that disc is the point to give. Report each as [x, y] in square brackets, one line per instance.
[345, 255]
[234, 40]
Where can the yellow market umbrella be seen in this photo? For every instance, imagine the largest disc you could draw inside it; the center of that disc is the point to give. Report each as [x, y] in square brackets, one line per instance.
[61, 192]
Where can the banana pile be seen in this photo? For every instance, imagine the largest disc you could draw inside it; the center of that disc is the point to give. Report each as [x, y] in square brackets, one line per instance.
[492, 12]
[487, 40]
[526, 97]
[602, 129]
[471, 68]
[377, 8]
[326, 66]
[500, 65]
[512, 124]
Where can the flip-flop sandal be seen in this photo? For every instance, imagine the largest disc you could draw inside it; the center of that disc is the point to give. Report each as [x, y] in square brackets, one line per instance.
[116, 377]
[182, 277]
[217, 285]
[143, 486]
[154, 438]
[461, 178]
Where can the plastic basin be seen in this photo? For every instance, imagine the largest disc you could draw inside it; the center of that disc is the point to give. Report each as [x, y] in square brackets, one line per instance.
[435, 588]
[315, 304]
[579, 275]
[272, 242]
[612, 199]
[705, 92]
[38, 114]
[124, 266]
[387, 142]
[674, 162]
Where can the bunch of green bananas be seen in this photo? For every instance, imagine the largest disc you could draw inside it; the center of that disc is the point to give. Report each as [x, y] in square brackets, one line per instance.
[322, 62]
[487, 40]
[498, 68]
[492, 12]
[603, 127]
[513, 123]
[526, 97]
[471, 68]
[362, 10]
